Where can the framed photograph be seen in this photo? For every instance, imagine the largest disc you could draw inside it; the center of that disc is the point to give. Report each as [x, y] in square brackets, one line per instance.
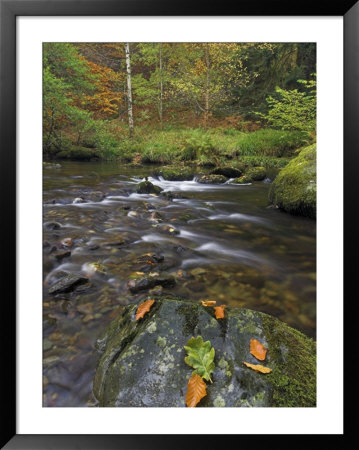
[173, 249]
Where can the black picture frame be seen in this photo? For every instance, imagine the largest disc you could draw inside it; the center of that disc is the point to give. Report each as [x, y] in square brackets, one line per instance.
[9, 10]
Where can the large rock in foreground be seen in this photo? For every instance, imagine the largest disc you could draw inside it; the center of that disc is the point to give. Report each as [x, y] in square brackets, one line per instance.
[295, 188]
[142, 362]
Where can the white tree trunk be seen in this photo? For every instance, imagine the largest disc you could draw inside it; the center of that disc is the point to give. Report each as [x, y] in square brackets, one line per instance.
[129, 88]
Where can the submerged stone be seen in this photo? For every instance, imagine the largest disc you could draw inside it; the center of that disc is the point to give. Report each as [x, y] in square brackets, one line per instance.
[67, 283]
[295, 188]
[142, 362]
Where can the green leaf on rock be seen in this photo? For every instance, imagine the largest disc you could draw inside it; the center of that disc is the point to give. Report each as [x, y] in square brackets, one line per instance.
[200, 357]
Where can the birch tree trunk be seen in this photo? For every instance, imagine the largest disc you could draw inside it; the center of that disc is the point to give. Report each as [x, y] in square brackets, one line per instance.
[129, 88]
[206, 103]
[161, 89]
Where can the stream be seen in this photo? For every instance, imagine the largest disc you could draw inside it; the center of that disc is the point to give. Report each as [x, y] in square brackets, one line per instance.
[219, 242]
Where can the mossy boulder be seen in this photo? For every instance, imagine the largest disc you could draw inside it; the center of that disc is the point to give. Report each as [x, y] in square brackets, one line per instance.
[212, 179]
[256, 173]
[176, 173]
[146, 187]
[244, 179]
[142, 362]
[295, 188]
[228, 172]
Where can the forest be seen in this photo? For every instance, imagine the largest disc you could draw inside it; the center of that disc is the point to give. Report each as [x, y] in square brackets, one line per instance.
[159, 102]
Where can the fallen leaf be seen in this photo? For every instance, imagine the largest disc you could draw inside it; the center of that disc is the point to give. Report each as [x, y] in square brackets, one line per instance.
[219, 311]
[200, 357]
[196, 390]
[258, 367]
[209, 302]
[257, 349]
[144, 308]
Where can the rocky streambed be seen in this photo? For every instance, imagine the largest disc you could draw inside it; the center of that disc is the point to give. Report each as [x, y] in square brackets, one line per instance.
[107, 246]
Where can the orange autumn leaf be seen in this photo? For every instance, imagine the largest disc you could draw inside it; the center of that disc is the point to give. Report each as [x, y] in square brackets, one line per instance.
[219, 311]
[209, 302]
[258, 367]
[196, 390]
[144, 308]
[257, 349]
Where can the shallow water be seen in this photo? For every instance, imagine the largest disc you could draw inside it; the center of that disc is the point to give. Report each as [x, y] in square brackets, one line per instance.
[221, 242]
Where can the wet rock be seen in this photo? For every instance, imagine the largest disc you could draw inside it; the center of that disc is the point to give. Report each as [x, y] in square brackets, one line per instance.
[168, 229]
[47, 165]
[228, 172]
[244, 179]
[156, 217]
[67, 242]
[79, 200]
[52, 225]
[153, 258]
[61, 254]
[170, 195]
[142, 362]
[295, 188]
[145, 283]
[146, 187]
[67, 284]
[212, 179]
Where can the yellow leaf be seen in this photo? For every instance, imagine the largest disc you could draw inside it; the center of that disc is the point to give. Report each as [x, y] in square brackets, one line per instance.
[209, 302]
[196, 390]
[258, 367]
[144, 308]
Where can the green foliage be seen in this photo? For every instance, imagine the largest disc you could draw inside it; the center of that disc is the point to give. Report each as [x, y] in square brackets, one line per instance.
[293, 110]
[200, 357]
[270, 142]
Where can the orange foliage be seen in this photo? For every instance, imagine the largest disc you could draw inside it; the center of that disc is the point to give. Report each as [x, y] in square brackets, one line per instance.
[257, 349]
[258, 367]
[219, 311]
[144, 308]
[105, 101]
[196, 390]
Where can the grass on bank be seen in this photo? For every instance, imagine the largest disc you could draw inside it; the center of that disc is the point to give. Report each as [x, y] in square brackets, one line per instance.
[212, 147]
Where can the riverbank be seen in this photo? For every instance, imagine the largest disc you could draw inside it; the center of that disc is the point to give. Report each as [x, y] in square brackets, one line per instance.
[197, 146]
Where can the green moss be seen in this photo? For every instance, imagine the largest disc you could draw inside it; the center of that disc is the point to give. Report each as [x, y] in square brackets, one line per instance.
[244, 179]
[294, 374]
[190, 313]
[146, 187]
[180, 173]
[256, 173]
[295, 188]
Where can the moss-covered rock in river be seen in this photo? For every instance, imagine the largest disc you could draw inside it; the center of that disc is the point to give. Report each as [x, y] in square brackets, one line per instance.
[212, 179]
[244, 179]
[229, 172]
[142, 362]
[256, 173]
[146, 187]
[295, 188]
[180, 173]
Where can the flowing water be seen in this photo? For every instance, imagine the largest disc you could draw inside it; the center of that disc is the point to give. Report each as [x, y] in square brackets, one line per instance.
[219, 242]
